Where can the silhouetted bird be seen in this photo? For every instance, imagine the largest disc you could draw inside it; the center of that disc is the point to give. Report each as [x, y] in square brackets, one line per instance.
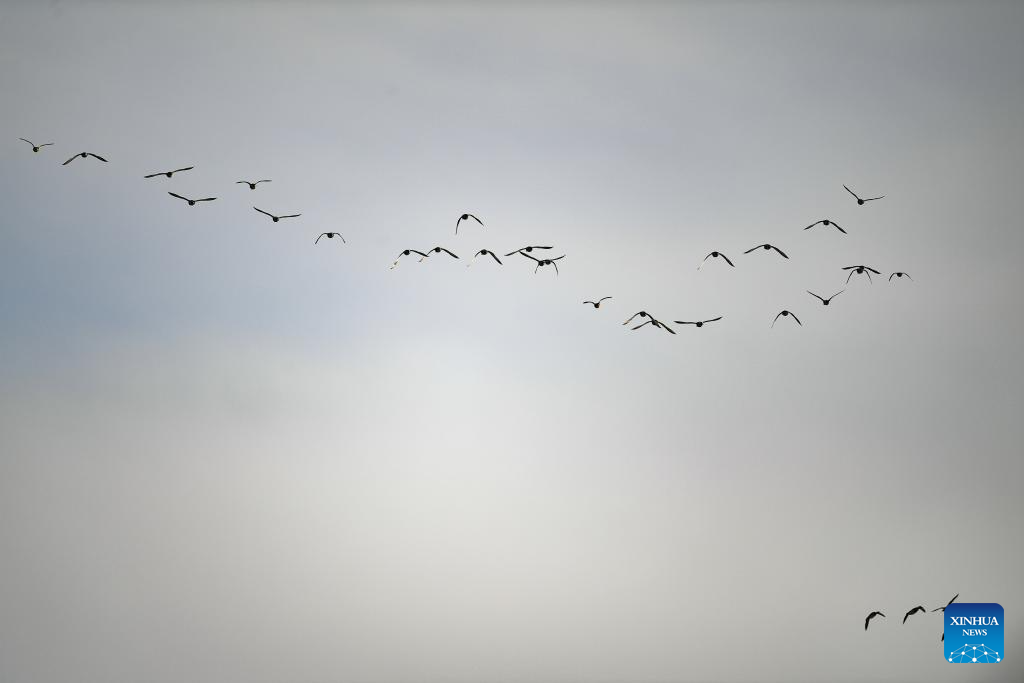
[526, 249]
[870, 617]
[943, 609]
[860, 202]
[786, 314]
[698, 323]
[252, 185]
[192, 202]
[826, 222]
[656, 323]
[84, 155]
[899, 275]
[544, 262]
[917, 609]
[168, 174]
[35, 147]
[597, 304]
[825, 301]
[438, 250]
[406, 252]
[715, 254]
[466, 217]
[860, 270]
[330, 236]
[277, 218]
[766, 247]
[484, 252]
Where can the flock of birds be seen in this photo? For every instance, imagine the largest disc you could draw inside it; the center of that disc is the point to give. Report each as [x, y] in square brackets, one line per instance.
[527, 252]
[912, 612]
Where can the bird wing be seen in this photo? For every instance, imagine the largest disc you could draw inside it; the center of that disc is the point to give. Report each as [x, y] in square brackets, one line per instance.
[867, 620]
[778, 250]
[152, 175]
[812, 225]
[631, 317]
[557, 257]
[952, 600]
[448, 252]
[773, 325]
[96, 156]
[206, 199]
[851, 192]
[713, 319]
[265, 180]
[603, 298]
[836, 294]
[664, 326]
[342, 237]
[179, 196]
[523, 253]
[849, 276]
[324, 233]
[187, 168]
[726, 259]
[814, 295]
[46, 144]
[69, 160]
[871, 199]
[264, 212]
[495, 257]
[839, 228]
[514, 252]
[753, 249]
[872, 270]
[796, 319]
[241, 182]
[475, 218]
[28, 141]
[642, 324]
[683, 322]
[552, 262]
[891, 277]
[293, 215]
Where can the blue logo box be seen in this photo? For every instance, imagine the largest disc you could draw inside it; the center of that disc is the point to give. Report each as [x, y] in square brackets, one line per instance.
[973, 633]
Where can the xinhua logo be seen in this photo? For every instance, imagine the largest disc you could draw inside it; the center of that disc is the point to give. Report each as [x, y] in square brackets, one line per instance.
[973, 633]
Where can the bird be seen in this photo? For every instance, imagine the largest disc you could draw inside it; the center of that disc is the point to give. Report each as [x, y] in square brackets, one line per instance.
[786, 314]
[526, 249]
[597, 304]
[84, 155]
[766, 247]
[544, 262]
[330, 235]
[825, 301]
[277, 218]
[860, 202]
[192, 202]
[870, 617]
[252, 184]
[943, 609]
[169, 173]
[656, 323]
[466, 217]
[406, 252]
[438, 250]
[826, 222]
[917, 609]
[899, 274]
[35, 147]
[698, 323]
[716, 254]
[860, 270]
[484, 252]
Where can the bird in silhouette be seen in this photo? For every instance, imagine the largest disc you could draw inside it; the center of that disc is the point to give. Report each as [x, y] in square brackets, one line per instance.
[168, 174]
[84, 155]
[786, 314]
[870, 617]
[277, 218]
[826, 222]
[860, 202]
[597, 304]
[526, 250]
[484, 252]
[917, 609]
[860, 270]
[656, 323]
[823, 300]
[438, 250]
[406, 252]
[899, 275]
[330, 236]
[716, 254]
[697, 323]
[251, 183]
[466, 217]
[943, 609]
[544, 262]
[192, 202]
[35, 147]
[766, 247]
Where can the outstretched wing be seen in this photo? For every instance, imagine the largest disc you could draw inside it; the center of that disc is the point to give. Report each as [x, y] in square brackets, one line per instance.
[871, 199]
[781, 253]
[713, 319]
[293, 215]
[796, 319]
[851, 192]
[753, 249]
[264, 212]
[475, 218]
[839, 228]
[179, 196]
[603, 298]
[69, 160]
[152, 175]
[179, 170]
[28, 141]
[97, 156]
[815, 295]
[324, 233]
[630, 319]
[448, 252]
[872, 270]
[812, 225]
[206, 199]
[726, 259]
[773, 325]
[646, 322]
[495, 257]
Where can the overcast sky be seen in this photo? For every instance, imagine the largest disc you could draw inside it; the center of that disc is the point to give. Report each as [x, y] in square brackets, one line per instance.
[228, 455]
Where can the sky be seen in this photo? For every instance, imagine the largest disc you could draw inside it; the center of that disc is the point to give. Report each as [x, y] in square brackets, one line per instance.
[228, 454]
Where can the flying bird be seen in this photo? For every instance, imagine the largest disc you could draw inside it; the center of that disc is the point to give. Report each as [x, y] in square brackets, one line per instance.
[597, 304]
[826, 222]
[406, 252]
[169, 173]
[698, 323]
[484, 252]
[84, 155]
[526, 249]
[943, 609]
[35, 147]
[860, 202]
[252, 184]
[870, 617]
[544, 262]
[766, 247]
[277, 218]
[438, 250]
[466, 217]
[330, 236]
[192, 202]
[917, 609]
[716, 254]
[860, 270]
[825, 301]
[642, 314]
[786, 314]
[899, 275]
